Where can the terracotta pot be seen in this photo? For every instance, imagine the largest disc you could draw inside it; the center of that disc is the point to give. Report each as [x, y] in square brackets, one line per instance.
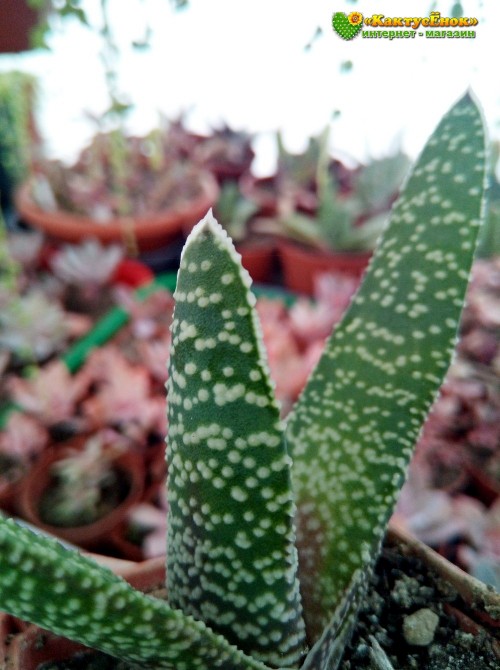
[142, 575]
[31, 648]
[258, 259]
[9, 493]
[301, 265]
[88, 535]
[6, 630]
[18, 21]
[144, 232]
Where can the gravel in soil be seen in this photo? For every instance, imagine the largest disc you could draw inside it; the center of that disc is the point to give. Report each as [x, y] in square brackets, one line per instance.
[403, 623]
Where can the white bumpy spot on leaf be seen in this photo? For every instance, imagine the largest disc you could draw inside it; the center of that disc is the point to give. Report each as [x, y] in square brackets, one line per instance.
[352, 431]
[236, 440]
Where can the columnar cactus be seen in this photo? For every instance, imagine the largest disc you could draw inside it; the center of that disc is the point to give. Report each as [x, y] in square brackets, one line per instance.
[258, 507]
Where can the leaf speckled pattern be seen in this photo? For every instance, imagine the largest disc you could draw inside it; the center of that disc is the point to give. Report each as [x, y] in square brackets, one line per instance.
[353, 429]
[232, 560]
[233, 565]
[71, 595]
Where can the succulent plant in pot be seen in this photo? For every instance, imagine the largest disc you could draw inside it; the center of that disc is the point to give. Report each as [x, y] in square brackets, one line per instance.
[274, 528]
[121, 189]
[345, 227]
[293, 182]
[80, 490]
[352, 221]
[227, 153]
[86, 271]
[235, 212]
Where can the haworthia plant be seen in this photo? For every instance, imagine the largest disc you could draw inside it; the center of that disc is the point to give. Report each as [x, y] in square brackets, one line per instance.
[360, 415]
[240, 481]
[232, 559]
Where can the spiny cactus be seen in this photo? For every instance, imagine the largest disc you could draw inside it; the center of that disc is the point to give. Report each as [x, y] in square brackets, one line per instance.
[240, 481]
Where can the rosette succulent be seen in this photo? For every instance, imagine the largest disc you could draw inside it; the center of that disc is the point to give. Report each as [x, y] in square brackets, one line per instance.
[274, 526]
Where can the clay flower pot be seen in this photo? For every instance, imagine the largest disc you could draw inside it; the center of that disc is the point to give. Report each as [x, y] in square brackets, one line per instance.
[146, 232]
[301, 265]
[145, 575]
[258, 259]
[31, 648]
[130, 471]
[6, 630]
[9, 492]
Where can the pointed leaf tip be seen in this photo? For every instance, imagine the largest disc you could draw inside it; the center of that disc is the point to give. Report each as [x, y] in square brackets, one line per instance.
[208, 225]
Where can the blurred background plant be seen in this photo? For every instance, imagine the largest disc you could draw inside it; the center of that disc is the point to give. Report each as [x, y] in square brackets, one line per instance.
[490, 238]
[18, 137]
[234, 211]
[324, 204]
[31, 325]
[85, 484]
[352, 221]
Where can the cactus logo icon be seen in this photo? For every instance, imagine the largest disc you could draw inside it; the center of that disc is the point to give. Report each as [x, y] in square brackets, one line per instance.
[347, 26]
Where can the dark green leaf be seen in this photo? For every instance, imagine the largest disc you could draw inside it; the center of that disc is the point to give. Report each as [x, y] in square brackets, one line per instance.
[352, 432]
[232, 560]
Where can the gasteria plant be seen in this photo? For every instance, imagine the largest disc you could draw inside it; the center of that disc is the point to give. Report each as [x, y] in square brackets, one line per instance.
[259, 507]
[336, 225]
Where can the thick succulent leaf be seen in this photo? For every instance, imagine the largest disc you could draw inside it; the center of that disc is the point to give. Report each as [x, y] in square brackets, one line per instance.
[69, 594]
[380, 180]
[352, 431]
[328, 651]
[231, 555]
